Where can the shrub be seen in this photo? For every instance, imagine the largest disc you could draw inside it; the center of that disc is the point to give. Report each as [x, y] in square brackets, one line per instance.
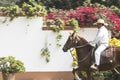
[11, 65]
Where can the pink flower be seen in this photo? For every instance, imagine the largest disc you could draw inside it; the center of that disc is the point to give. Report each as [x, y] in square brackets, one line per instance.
[86, 15]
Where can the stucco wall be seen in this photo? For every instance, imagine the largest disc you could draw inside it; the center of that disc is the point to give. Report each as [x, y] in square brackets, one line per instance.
[24, 38]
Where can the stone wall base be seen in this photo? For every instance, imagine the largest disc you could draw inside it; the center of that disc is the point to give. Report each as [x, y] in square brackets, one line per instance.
[65, 75]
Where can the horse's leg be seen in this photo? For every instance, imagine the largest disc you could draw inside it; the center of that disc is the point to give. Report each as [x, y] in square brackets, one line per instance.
[116, 73]
[78, 74]
[75, 73]
[89, 76]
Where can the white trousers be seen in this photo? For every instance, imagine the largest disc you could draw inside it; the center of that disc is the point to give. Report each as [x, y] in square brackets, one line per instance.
[98, 51]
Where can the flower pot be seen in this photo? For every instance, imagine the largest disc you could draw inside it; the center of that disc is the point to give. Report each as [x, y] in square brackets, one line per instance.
[8, 76]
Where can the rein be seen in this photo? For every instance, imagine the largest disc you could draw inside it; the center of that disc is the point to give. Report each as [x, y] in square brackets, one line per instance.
[82, 45]
[85, 56]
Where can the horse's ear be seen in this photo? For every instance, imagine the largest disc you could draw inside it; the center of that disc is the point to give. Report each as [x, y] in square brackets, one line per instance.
[78, 38]
[72, 34]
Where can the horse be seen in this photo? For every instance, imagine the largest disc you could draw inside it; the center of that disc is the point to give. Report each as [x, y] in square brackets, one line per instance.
[85, 55]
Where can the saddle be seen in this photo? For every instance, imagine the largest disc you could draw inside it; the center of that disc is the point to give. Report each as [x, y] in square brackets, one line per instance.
[107, 56]
[108, 52]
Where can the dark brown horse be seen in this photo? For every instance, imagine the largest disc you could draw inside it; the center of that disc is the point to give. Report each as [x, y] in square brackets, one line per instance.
[86, 57]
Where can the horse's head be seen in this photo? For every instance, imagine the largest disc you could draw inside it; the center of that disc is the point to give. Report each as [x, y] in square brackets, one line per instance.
[73, 41]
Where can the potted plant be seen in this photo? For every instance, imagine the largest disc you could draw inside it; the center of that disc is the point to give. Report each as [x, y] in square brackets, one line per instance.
[9, 66]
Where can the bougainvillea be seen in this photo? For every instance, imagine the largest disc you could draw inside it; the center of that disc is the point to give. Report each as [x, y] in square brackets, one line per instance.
[58, 14]
[84, 15]
[87, 15]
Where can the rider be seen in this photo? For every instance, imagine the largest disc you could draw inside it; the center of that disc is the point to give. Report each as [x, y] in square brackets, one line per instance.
[101, 40]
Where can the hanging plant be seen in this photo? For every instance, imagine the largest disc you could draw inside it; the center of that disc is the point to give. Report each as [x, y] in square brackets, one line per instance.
[46, 54]
[73, 23]
[59, 25]
[58, 38]
[35, 11]
[13, 11]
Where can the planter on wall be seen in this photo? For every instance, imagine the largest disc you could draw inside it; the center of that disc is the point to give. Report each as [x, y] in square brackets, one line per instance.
[68, 27]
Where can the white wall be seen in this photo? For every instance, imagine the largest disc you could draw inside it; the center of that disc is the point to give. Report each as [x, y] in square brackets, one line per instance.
[24, 38]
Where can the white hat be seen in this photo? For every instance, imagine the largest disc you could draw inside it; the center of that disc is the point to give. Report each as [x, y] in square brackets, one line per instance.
[100, 21]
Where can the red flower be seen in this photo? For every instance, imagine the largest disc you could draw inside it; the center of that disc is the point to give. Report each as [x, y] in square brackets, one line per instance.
[51, 16]
[86, 15]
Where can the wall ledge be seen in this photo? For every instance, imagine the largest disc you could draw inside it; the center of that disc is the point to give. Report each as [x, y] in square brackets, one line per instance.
[66, 27]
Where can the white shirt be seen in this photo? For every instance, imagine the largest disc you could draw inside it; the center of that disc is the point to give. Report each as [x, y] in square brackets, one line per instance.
[102, 36]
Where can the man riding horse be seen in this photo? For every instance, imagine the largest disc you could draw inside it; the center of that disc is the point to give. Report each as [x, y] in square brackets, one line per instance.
[101, 40]
[109, 58]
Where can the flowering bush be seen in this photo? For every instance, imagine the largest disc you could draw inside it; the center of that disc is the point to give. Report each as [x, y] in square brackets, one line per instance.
[26, 10]
[11, 65]
[86, 16]
[58, 14]
[114, 42]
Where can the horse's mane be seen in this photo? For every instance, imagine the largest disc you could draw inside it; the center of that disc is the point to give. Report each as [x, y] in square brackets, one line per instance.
[80, 39]
[83, 39]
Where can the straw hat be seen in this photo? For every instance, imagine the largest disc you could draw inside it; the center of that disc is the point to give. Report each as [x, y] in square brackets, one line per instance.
[101, 21]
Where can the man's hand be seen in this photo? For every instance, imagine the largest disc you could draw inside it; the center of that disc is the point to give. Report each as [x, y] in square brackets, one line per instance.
[92, 43]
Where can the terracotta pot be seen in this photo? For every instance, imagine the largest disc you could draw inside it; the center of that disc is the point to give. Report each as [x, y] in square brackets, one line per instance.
[8, 76]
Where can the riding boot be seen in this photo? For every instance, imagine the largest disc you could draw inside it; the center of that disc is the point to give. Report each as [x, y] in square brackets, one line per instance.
[94, 66]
